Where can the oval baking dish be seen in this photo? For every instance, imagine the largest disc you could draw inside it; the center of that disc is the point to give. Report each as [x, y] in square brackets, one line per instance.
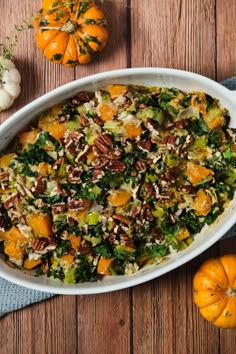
[160, 77]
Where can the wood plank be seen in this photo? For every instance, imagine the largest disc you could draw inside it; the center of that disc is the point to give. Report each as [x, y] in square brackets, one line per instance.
[60, 325]
[226, 38]
[178, 34]
[226, 64]
[104, 323]
[172, 38]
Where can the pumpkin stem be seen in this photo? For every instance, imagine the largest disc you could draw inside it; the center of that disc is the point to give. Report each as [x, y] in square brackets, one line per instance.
[231, 292]
[68, 27]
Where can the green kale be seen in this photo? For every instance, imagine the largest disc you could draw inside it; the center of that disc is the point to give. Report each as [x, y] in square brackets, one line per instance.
[156, 250]
[84, 271]
[63, 247]
[103, 250]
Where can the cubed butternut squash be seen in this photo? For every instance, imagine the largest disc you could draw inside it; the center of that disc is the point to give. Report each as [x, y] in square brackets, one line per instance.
[119, 197]
[197, 173]
[29, 137]
[67, 258]
[202, 203]
[6, 159]
[31, 263]
[107, 111]
[14, 251]
[213, 123]
[183, 233]
[132, 131]
[57, 130]
[104, 265]
[116, 90]
[74, 240]
[45, 168]
[41, 224]
[14, 235]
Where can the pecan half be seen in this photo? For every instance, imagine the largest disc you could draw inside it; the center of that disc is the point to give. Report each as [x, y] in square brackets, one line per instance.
[98, 121]
[103, 161]
[85, 248]
[125, 239]
[116, 166]
[140, 165]
[171, 174]
[84, 120]
[38, 245]
[147, 186]
[122, 219]
[144, 145]
[97, 175]
[145, 213]
[103, 143]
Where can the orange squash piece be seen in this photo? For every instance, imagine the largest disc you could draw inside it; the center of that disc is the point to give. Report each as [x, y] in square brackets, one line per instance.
[14, 251]
[215, 290]
[132, 131]
[57, 130]
[116, 90]
[6, 159]
[183, 234]
[28, 138]
[74, 240]
[14, 235]
[69, 258]
[197, 173]
[45, 169]
[31, 263]
[107, 111]
[41, 224]
[119, 197]
[214, 123]
[104, 265]
[202, 203]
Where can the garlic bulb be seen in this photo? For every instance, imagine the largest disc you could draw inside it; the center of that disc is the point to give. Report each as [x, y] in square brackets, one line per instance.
[9, 83]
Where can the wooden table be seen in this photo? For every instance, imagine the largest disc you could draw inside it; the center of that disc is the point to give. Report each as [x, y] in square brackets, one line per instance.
[158, 317]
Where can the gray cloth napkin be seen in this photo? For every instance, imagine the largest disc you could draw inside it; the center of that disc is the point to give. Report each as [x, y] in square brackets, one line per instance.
[14, 297]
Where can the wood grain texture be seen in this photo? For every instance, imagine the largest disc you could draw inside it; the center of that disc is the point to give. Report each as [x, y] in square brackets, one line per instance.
[226, 39]
[158, 317]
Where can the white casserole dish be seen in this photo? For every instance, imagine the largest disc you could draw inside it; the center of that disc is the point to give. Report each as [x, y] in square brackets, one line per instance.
[183, 80]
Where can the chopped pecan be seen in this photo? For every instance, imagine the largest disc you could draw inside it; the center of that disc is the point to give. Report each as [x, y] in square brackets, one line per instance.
[70, 221]
[180, 124]
[116, 166]
[171, 218]
[3, 223]
[98, 121]
[58, 208]
[76, 204]
[97, 175]
[188, 141]
[62, 190]
[122, 219]
[144, 145]
[39, 186]
[187, 189]
[112, 238]
[83, 96]
[85, 248]
[103, 161]
[4, 177]
[64, 118]
[84, 120]
[140, 165]
[38, 245]
[82, 155]
[45, 267]
[10, 202]
[74, 173]
[135, 211]
[103, 143]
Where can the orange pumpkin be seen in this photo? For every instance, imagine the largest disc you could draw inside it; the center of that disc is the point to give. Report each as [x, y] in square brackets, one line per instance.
[215, 290]
[69, 33]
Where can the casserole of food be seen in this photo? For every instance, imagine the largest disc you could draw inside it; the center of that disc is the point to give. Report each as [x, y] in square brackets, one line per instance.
[115, 179]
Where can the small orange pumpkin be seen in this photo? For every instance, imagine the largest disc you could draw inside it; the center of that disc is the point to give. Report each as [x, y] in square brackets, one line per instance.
[69, 32]
[215, 290]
